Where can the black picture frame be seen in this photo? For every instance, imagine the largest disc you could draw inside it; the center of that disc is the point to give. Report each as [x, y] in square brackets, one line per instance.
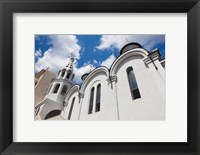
[8, 7]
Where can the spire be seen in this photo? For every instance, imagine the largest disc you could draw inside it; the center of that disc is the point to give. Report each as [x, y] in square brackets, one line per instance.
[70, 64]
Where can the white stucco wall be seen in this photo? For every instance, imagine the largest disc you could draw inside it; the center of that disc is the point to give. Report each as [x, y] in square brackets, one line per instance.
[151, 105]
[58, 97]
[108, 108]
[75, 110]
[47, 107]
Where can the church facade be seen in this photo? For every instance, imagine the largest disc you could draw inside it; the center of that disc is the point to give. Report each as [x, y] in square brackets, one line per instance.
[133, 88]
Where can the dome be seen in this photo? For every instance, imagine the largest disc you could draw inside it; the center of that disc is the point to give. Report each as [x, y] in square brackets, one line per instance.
[83, 77]
[130, 46]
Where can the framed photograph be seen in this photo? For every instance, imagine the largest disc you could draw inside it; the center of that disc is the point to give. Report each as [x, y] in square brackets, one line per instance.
[99, 77]
[103, 86]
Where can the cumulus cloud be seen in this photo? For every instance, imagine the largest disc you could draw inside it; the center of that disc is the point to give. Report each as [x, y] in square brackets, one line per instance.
[56, 57]
[95, 61]
[80, 71]
[38, 53]
[118, 41]
[108, 62]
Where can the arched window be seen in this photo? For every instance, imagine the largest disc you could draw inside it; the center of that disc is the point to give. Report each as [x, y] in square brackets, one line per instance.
[68, 75]
[91, 101]
[98, 98]
[56, 88]
[133, 83]
[64, 90]
[71, 108]
[52, 114]
[63, 72]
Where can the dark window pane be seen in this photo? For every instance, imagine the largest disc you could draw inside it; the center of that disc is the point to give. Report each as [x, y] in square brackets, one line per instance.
[68, 75]
[91, 101]
[71, 108]
[64, 90]
[56, 88]
[63, 72]
[52, 114]
[133, 83]
[136, 93]
[132, 80]
[98, 98]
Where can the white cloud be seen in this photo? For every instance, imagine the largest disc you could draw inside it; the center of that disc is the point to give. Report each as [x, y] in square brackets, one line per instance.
[80, 71]
[38, 53]
[56, 57]
[108, 62]
[118, 41]
[95, 61]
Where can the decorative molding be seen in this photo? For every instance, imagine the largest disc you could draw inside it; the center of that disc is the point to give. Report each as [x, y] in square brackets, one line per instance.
[152, 57]
[112, 78]
[65, 103]
[80, 95]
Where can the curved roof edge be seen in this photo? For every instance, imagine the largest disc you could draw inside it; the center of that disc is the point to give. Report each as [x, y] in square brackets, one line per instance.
[71, 91]
[130, 46]
[137, 51]
[92, 73]
[83, 77]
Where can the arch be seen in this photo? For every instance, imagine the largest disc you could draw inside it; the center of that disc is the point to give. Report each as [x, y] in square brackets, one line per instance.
[72, 91]
[48, 106]
[95, 72]
[52, 114]
[95, 83]
[137, 53]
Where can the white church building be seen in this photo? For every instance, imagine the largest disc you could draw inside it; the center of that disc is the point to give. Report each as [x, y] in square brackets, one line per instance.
[133, 88]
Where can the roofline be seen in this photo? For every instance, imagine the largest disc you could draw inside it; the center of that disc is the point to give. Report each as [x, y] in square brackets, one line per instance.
[140, 46]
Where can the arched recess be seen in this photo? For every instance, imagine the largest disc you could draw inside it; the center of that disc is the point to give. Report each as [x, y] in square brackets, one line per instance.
[92, 75]
[49, 106]
[138, 53]
[72, 91]
[52, 114]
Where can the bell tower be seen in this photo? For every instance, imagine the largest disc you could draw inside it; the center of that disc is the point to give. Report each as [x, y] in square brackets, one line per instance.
[52, 104]
[61, 85]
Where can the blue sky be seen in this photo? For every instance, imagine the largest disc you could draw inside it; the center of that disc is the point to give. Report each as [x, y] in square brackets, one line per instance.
[89, 51]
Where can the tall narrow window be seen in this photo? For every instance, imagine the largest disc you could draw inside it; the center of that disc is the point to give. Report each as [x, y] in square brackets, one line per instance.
[64, 90]
[98, 98]
[68, 75]
[63, 72]
[71, 108]
[91, 100]
[133, 83]
[56, 88]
